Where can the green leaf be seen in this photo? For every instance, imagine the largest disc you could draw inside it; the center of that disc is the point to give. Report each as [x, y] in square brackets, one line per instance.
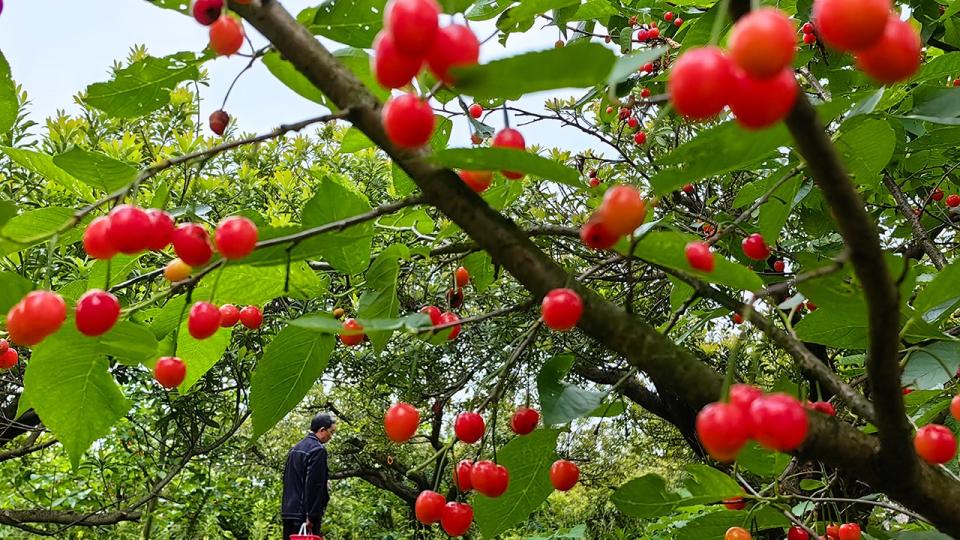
[841, 326]
[480, 266]
[528, 9]
[13, 287]
[628, 64]
[379, 300]
[120, 266]
[9, 104]
[349, 250]
[43, 165]
[941, 296]
[507, 159]
[129, 343]
[33, 226]
[867, 148]
[256, 285]
[561, 402]
[528, 459]
[351, 22]
[932, 366]
[144, 86]
[199, 354]
[354, 140]
[648, 496]
[942, 66]
[515, 76]
[290, 366]
[96, 169]
[666, 248]
[774, 212]
[72, 391]
[325, 323]
[715, 524]
[762, 462]
[293, 79]
[358, 61]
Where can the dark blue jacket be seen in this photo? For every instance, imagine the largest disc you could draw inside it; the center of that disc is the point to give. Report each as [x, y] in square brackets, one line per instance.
[305, 492]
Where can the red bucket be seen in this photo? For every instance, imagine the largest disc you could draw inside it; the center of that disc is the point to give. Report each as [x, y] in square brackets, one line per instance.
[304, 535]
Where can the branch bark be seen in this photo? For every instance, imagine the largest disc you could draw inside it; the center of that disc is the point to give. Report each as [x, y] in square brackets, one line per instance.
[17, 517]
[919, 235]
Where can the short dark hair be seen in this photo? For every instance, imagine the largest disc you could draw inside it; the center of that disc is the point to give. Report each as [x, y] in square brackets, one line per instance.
[321, 421]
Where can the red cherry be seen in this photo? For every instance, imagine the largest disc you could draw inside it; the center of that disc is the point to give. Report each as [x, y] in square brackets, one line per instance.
[906, 391]
[455, 46]
[737, 533]
[796, 532]
[510, 138]
[489, 478]
[779, 422]
[634, 123]
[668, 16]
[236, 237]
[895, 56]
[450, 317]
[4, 346]
[129, 229]
[461, 475]
[937, 194]
[429, 507]
[707, 229]
[758, 103]
[456, 518]
[755, 248]
[737, 318]
[96, 239]
[455, 297]
[807, 28]
[478, 181]
[192, 244]
[594, 182]
[226, 36]
[624, 113]
[699, 256]
[596, 235]
[351, 340]
[469, 427]
[955, 406]
[688, 188]
[833, 531]
[644, 92]
[206, 11]
[810, 306]
[219, 120]
[851, 25]
[936, 444]
[401, 422]
[561, 309]
[433, 312]
[648, 67]
[204, 320]
[170, 372]
[251, 317]
[762, 43]
[97, 312]
[737, 503]
[850, 531]
[36, 316]
[654, 33]
[824, 407]
[622, 210]
[161, 229]
[408, 121]
[564, 475]
[743, 395]
[723, 429]
[392, 68]
[462, 277]
[9, 358]
[524, 420]
[700, 83]
[643, 34]
[778, 265]
[413, 24]
[953, 200]
[229, 315]
[639, 137]
[476, 110]
[678, 22]
[809, 39]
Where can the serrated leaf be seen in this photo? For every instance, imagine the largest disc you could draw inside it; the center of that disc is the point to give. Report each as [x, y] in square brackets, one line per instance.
[648, 496]
[9, 104]
[256, 285]
[508, 159]
[35, 225]
[349, 250]
[144, 86]
[43, 165]
[760, 461]
[480, 266]
[528, 9]
[351, 22]
[96, 169]
[839, 326]
[199, 354]
[129, 343]
[867, 148]
[562, 402]
[354, 140]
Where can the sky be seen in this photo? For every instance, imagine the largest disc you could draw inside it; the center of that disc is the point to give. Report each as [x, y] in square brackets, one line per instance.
[57, 47]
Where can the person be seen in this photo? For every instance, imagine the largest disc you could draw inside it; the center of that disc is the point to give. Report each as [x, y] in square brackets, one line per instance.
[305, 489]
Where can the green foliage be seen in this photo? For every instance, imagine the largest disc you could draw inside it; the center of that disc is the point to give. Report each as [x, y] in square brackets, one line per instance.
[144, 86]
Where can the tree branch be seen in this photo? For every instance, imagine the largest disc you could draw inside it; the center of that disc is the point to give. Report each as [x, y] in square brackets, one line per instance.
[919, 235]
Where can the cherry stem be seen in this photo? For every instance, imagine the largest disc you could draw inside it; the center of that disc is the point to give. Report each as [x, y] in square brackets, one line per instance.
[106, 285]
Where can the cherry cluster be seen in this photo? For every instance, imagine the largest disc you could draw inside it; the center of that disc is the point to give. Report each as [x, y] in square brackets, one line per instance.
[623, 210]
[226, 32]
[8, 355]
[776, 421]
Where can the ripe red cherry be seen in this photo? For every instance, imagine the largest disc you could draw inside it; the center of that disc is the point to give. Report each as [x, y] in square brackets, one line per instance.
[204, 320]
[251, 317]
[737, 318]
[413, 24]
[736, 503]
[219, 120]
[9, 358]
[762, 43]
[96, 239]
[564, 475]
[955, 406]
[429, 507]
[851, 25]
[936, 444]
[678, 22]
[633, 123]
[476, 110]
[937, 194]
[192, 244]
[561, 309]
[489, 478]
[723, 429]
[236, 237]
[644, 92]
[758, 103]
[699, 256]
[207, 11]
[654, 33]
[450, 317]
[755, 248]
[524, 420]
[454, 297]
[797, 533]
[456, 518]
[229, 315]
[510, 138]
[36, 316]
[433, 312]
[469, 427]
[809, 39]
[807, 28]
[953, 200]
[668, 16]
[643, 34]
[462, 276]
[778, 265]
[393, 68]
[824, 407]
[648, 67]
[688, 188]
[895, 56]
[129, 229]
[401, 422]
[595, 235]
[408, 121]
[624, 113]
[779, 422]
[351, 340]
[850, 531]
[700, 83]
[226, 35]
[478, 181]
[639, 137]
[161, 229]
[4, 346]
[622, 210]
[743, 395]
[169, 372]
[461, 475]
[737, 533]
[594, 182]
[455, 46]
[97, 312]
[833, 531]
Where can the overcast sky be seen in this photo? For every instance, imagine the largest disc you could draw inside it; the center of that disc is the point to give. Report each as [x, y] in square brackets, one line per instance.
[57, 47]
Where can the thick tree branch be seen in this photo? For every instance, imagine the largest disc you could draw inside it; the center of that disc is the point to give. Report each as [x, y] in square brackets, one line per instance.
[17, 517]
[919, 235]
